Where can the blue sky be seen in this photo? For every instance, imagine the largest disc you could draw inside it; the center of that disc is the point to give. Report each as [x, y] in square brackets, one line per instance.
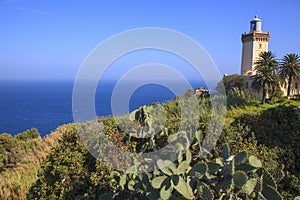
[49, 39]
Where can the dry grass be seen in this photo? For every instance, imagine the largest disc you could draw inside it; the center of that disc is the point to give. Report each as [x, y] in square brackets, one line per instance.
[16, 181]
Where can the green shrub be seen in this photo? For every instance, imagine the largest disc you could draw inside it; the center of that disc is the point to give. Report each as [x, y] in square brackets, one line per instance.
[238, 98]
[20, 161]
[66, 172]
[7, 142]
[29, 134]
[230, 82]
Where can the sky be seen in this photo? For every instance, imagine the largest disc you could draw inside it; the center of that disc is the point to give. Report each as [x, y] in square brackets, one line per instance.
[50, 39]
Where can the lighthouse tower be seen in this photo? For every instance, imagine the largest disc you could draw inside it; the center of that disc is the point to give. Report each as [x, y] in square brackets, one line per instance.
[254, 43]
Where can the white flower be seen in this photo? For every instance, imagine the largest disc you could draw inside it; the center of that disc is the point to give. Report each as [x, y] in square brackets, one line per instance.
[229, 159]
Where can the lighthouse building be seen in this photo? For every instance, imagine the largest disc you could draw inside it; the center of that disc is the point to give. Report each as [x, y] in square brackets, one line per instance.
[254, 43]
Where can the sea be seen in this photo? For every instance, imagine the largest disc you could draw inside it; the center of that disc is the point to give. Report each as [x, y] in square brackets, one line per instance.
[45, 104]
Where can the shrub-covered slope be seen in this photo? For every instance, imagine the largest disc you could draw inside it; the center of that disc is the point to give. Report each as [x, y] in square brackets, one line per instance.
[263, 160]
[20, 160]
[76, 174]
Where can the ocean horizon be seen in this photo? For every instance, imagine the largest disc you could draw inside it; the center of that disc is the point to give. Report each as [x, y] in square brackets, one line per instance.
[47, 104]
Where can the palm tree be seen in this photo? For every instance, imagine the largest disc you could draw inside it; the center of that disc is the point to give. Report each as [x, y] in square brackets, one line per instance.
[290, 68]
[265, 77]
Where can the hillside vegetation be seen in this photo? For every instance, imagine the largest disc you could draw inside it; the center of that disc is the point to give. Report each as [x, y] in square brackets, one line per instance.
[257, 156]
[20, 160]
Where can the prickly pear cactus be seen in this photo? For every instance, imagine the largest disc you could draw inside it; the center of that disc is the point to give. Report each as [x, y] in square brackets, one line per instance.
[173, 177]
[236, 177]
[227, 177]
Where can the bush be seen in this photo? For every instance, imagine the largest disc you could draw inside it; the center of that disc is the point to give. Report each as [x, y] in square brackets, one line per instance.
[65, 173]
[277, 127]
[29, 134]
[230, 82]
[238, 98]
[20, 161]
[7, 142]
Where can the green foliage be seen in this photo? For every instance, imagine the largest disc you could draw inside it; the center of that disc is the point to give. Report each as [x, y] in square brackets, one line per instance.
[219, 179]
[13, 149]
[231, 82]
[70, 172]
[249, 168]
[290, 68]
[238, 98]
[7, 142]
[237, 94]
[283, 132]
[236, 181]
[233, 175]
[271, 133]
[226, 152]
[240, 178]
[29, 134]
[265, 78]
[10, 152]
[255, 162]
[150, 121]
[20, 159]
[204, 191]
[290, 186]
[240, 158]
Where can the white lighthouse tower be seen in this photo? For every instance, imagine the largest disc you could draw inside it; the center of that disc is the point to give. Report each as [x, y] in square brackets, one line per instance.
[254, 43]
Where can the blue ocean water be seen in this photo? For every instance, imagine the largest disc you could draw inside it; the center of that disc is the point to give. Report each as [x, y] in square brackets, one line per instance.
[47, 104]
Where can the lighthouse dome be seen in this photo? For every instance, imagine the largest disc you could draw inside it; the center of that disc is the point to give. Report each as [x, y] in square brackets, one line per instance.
[256, 19]
[255, 24]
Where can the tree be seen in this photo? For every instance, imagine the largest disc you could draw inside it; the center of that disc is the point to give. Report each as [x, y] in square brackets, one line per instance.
[265, 78]
[231, 82]
[290, 67]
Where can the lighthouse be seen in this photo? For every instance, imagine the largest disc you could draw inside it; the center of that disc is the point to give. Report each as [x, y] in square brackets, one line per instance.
[254, 43]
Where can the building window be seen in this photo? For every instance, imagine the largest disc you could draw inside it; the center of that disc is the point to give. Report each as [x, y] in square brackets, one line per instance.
[296, 85]
[260, 45]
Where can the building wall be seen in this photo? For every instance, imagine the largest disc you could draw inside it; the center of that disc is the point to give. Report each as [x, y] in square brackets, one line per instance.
[253, 44]
[259, 45]
[248, 82]
[247, 54]
[295, 87]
